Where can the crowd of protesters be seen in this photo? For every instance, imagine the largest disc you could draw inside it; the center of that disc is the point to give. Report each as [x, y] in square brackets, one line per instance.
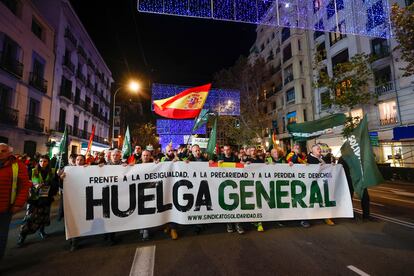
[40, 179]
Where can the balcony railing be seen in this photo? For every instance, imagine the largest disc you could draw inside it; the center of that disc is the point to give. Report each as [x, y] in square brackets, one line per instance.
[87, 106]
[68, 64]
[9, 116]
[70, 37]
[38, 82]
[34, 123]
[388, 121]
[66, 92]
[384, 88]
[11, 65]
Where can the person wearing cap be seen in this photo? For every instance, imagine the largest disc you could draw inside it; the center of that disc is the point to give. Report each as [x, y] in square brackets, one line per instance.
[14, 188]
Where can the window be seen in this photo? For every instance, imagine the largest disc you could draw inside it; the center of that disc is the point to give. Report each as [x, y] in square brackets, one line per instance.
[75, 124]
[291, 117]
[33, 107]
[284, 124]
[303, 91]
[382, 76]
[375, 15]
[305, 116]
[301, 66]
[10, 56]
[341, 57]
[330, 8]
[325, 99]
[5, 93]
[285, 34]
[288, 74]
[337, 33]
[380, 48]
[85, 126]
[321, 50]
[12, 5]
[274, 105]
[388, 113]
[408, 2]
[299, 45]
[383, 81]
[290, 96]
[287, 53]
[37, 28]
[62, 120]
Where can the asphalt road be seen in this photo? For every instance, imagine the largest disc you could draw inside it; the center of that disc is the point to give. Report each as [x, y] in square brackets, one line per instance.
[351, 247]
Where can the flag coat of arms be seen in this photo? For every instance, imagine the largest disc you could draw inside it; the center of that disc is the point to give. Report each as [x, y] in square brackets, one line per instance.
[184, 105]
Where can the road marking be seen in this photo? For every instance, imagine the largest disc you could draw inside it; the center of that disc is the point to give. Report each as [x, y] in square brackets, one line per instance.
[405, 194]
[396, 199]
[143, 264]
[372, 203]
[389, 219]
[357, 270]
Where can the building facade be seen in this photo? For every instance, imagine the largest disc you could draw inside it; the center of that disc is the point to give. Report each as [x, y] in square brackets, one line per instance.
[26, 77]
[82, 81]
[391, 114]
[287, 97]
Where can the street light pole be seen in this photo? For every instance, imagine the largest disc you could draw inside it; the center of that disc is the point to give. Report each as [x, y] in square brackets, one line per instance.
[133, 86]
[113, 117]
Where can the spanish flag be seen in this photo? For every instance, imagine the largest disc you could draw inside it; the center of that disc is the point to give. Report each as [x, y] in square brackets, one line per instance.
[225, 165]
[184, 105]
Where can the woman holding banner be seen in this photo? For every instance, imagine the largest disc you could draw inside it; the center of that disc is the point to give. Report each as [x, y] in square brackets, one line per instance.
[45, 187]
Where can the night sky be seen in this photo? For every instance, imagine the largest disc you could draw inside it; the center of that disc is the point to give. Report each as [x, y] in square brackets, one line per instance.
[161, 48]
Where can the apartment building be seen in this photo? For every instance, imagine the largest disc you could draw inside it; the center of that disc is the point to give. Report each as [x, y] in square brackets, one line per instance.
[287, 97]
[82, 81]
[391, 116]
[26, 76]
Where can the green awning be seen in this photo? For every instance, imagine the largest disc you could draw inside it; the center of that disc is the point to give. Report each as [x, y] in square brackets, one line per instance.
[312, 129]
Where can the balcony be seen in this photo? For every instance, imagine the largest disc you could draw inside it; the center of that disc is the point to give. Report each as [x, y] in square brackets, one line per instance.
[9, 116]
[66, 93]
[384, 89]
[34, 123]
[68, 64]
[11, 65]
[38, 82]
[70, 37]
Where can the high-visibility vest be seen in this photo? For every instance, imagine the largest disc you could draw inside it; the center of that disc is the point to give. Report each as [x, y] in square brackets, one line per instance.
[15, 170]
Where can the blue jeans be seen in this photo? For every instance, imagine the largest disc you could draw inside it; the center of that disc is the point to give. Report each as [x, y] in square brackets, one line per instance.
[5, 219]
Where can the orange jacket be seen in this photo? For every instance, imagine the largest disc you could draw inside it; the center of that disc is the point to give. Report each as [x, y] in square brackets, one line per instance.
[6, 179]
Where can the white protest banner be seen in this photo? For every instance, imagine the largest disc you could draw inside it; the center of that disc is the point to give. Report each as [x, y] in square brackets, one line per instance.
[116, 198]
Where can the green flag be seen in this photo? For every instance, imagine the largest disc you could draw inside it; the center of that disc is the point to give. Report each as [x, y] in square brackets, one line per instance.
[63, 150]
[211, 146]
[312, 129]
[126, 147]
[201, 120]
[357, 152]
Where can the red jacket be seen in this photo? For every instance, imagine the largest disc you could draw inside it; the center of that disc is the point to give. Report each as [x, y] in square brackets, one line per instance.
[6, 179]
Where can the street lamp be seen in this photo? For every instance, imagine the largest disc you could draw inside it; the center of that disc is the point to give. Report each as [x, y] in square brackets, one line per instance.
[132, 86]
